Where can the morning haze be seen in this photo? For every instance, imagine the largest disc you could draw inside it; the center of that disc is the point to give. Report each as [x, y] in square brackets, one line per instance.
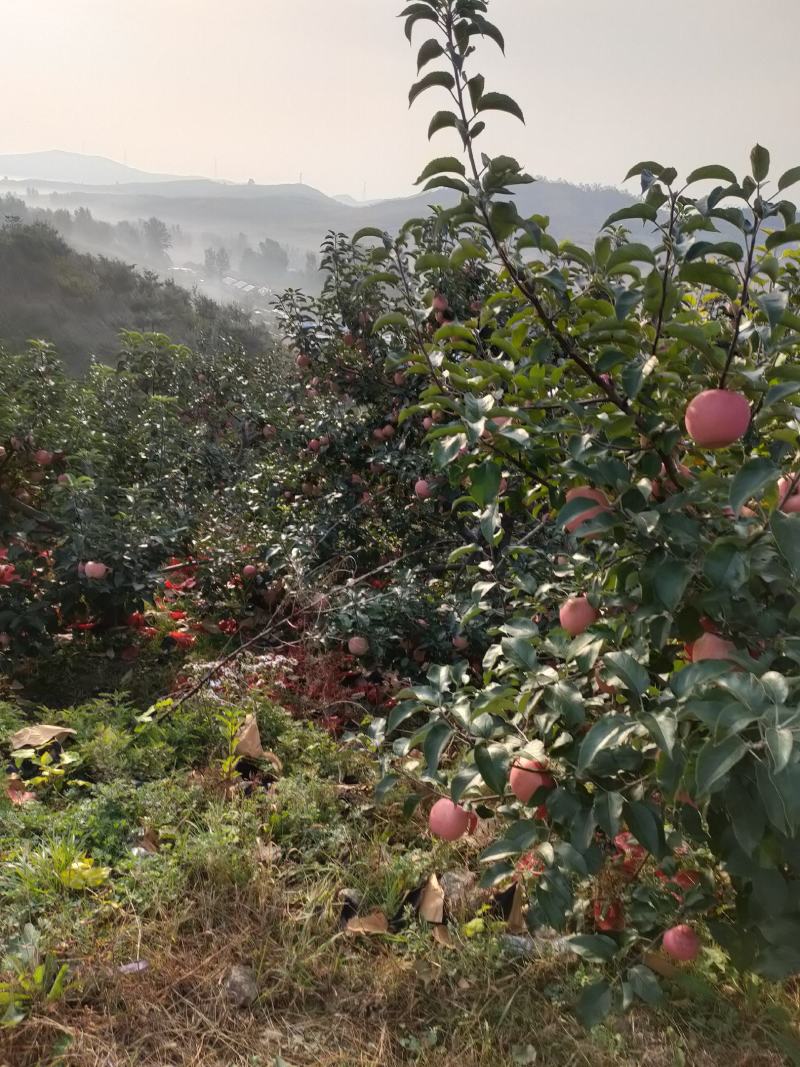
[272, 90]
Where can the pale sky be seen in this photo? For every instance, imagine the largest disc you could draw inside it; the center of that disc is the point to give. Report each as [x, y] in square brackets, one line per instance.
[270, 89]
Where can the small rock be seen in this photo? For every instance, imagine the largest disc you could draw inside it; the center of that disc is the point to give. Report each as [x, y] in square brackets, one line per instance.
[240, 986]
[461, 892]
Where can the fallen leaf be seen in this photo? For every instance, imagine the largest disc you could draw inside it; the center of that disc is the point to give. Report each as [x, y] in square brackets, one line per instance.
[38, 736]
[149, 841]
[268, 852]
[660, 964]
[431, 903]
[17, 793]
[516, 921]
[136, 967]
[248, 739]
[442, 934]
[374, 923]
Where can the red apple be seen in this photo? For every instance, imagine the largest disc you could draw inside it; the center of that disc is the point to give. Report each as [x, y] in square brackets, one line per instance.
[358, 646]
[448, 820]
[440, 302]
[526, 778]
[269, 431]
[789, 493]
[249, 571]
[587, 492]
[302, 361]
[422, 489]
[43, 457]
[711, 646]
[576, 615]
[427, 422]
[313, 444]
[681, 942]
[388, 433]
[460, 643]
[95, 570]
[399, 378]
[717, 417]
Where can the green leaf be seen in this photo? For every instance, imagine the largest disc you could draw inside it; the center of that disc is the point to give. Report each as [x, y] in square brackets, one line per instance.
[630, 253]
[630, 672]
[607, 812]
[754, 475]
[714, 761]
[759, 161]
[780, 741]
[441, 121]
[713, 170]
[391, 318]
[789, 178]
[728, 249]
[670, 582]
[442, 78]
[594, 1004]
[491, 761]
[604, 733]
[646, 826]
[645, 212]
[595, 947]
[431, 49]
[442, 165]
[664, 728]
[639, 168]
[413, 13]
[488, 29]
[501, 102]
[786, 531]
[645, 984]
[444, 182]
[368, 231]
[485, 482]
[784, 237]
[711, 274]
[476, 86]
[435, 743]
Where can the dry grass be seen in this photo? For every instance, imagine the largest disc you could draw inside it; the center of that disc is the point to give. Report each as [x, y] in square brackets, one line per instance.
[330, 999]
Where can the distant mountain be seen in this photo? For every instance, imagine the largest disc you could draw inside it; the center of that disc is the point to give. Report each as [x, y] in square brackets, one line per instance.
[72, 167]
[295, 215]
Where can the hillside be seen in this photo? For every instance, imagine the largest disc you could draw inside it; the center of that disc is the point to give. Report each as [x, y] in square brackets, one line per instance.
[71, 167]
[81, 302]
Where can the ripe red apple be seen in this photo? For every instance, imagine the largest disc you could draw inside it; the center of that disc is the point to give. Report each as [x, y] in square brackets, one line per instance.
[609, 916]
[313, 444]
[95, 570]
[377, 433]
[717, 417]
[358, 646]
[681, 942]
[711, 646]
[427, 423]
[388, 433]
[43, 457]
[460, 642]
[576, 615]
[422, 489]
[269, 431]
[249, 571]
[302, 361]
[440, 302]
[664, 485]
[587, 492]
[448, 820]
[63, 479]
[789, 493]
[526, 778]
[399, 378]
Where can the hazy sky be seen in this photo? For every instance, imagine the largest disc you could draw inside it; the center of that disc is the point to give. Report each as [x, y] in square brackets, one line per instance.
[272, 88]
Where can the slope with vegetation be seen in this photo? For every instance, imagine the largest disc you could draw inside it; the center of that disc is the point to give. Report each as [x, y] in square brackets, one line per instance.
[81, 302]
[456, 670]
